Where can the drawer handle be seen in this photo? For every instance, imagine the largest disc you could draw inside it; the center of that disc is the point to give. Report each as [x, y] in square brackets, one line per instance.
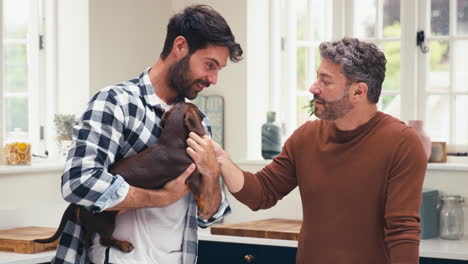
[249, 258]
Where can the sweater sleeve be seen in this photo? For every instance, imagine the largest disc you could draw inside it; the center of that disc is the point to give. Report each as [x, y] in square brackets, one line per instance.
[263, 189]
[404, 192]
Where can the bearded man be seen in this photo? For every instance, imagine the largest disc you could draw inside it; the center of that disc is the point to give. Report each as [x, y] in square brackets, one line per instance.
[359, 171]
[122, 120]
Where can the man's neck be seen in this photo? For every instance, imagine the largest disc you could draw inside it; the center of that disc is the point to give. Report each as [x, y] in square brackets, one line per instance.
[356, 117]
[158, 75]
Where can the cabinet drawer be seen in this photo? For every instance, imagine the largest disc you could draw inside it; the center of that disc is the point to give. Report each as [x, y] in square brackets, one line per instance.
[233, 253]
[441, 261]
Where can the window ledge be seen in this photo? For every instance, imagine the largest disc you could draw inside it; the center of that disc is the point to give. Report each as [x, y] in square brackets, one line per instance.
[36, 166]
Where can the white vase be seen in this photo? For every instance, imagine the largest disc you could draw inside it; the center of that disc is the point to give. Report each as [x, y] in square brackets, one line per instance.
[64, 146]
[418, 125]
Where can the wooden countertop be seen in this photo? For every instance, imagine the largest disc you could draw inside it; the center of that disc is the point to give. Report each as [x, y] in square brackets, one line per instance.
[274, 228]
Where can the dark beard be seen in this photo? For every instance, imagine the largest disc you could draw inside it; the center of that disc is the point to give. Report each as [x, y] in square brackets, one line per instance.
[178, 76]
[333, 110]
[180, 79]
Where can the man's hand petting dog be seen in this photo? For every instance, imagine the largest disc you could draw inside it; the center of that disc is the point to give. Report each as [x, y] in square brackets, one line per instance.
[201, 150]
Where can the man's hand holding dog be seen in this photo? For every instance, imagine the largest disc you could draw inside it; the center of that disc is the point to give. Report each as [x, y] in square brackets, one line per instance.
[201, 150]
[170, 193]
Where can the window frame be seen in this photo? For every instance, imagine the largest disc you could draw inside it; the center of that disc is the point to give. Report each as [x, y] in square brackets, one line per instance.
[413, 63]
[36, 80]
[424, 66]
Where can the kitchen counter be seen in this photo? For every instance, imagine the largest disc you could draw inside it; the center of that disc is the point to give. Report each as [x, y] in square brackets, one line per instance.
[429, 248]
[447, 249]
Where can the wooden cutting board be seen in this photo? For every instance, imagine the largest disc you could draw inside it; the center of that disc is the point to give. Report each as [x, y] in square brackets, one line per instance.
[274, 228]
[20, 240]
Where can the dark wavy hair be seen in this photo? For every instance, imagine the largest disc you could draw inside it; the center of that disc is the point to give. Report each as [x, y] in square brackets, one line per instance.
[361, 61]
[201, 26]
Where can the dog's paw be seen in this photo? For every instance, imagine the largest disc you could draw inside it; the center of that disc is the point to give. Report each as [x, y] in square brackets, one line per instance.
[127, 247]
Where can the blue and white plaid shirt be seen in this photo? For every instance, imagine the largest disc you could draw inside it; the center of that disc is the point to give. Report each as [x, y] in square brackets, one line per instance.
[120, 121]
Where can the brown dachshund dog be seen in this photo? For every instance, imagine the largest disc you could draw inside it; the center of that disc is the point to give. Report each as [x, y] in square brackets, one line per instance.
[149, 169]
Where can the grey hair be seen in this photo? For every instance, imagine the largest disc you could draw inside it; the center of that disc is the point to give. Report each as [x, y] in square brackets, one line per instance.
[360, 61]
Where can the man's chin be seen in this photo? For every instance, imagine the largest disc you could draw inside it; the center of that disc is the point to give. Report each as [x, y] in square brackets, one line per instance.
[191, 96]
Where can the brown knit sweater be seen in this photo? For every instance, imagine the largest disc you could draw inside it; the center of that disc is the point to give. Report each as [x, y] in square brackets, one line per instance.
[360, 191]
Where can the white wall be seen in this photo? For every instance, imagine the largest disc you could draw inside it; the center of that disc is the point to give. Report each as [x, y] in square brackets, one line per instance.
[31, 199]
[72, 56]
[125, 37]
[104, 42]
[258, 67]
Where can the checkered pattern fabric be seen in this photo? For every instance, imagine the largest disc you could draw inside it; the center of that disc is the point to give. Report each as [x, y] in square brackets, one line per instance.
[120, 121]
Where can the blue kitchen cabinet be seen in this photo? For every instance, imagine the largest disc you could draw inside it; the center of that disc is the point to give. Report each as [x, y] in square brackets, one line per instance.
[210, 252]
[441, 261]
[235, 253]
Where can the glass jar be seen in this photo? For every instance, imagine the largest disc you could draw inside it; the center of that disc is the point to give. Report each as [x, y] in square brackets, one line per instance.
[451, 217]
[17, 148]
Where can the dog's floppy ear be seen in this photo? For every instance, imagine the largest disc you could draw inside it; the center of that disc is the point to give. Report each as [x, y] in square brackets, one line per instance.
[165, 116]
[193, 120]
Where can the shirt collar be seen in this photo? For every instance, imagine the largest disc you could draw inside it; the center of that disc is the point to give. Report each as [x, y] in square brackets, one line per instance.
[147, 91]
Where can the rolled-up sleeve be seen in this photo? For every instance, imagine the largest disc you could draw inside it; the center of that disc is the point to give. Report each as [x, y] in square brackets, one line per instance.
[96, 141]
[223, 210]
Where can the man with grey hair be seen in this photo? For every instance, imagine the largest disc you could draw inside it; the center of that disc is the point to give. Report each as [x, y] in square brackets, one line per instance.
[359, 171]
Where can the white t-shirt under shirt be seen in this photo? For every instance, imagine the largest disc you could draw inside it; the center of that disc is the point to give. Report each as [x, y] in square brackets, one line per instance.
[156, 234]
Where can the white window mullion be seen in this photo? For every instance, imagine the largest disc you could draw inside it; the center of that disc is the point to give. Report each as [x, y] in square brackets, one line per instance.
[379, 18]
[16, 95]
[340, 18]
[2, 104]
[423, 59]
[33, 75]
[275, 55]
[310, 39]
[15, 41]
[42, 95]
[291, 65]
[408, 58]
[349, 18]
[452, 100]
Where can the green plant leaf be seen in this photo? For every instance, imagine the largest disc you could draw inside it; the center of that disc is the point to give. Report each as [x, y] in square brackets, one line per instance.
[310, 107]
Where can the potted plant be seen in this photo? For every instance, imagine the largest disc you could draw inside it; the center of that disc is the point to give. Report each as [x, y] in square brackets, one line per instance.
[64, 127]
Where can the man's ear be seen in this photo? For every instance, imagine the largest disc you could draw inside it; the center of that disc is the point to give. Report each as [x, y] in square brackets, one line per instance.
[180, 47]
[359, 91]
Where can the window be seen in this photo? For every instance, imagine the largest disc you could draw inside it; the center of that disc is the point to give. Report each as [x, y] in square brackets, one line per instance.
[308, 24]
[21, 83]
[428, 86]
[379, 22]
[444, 97]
